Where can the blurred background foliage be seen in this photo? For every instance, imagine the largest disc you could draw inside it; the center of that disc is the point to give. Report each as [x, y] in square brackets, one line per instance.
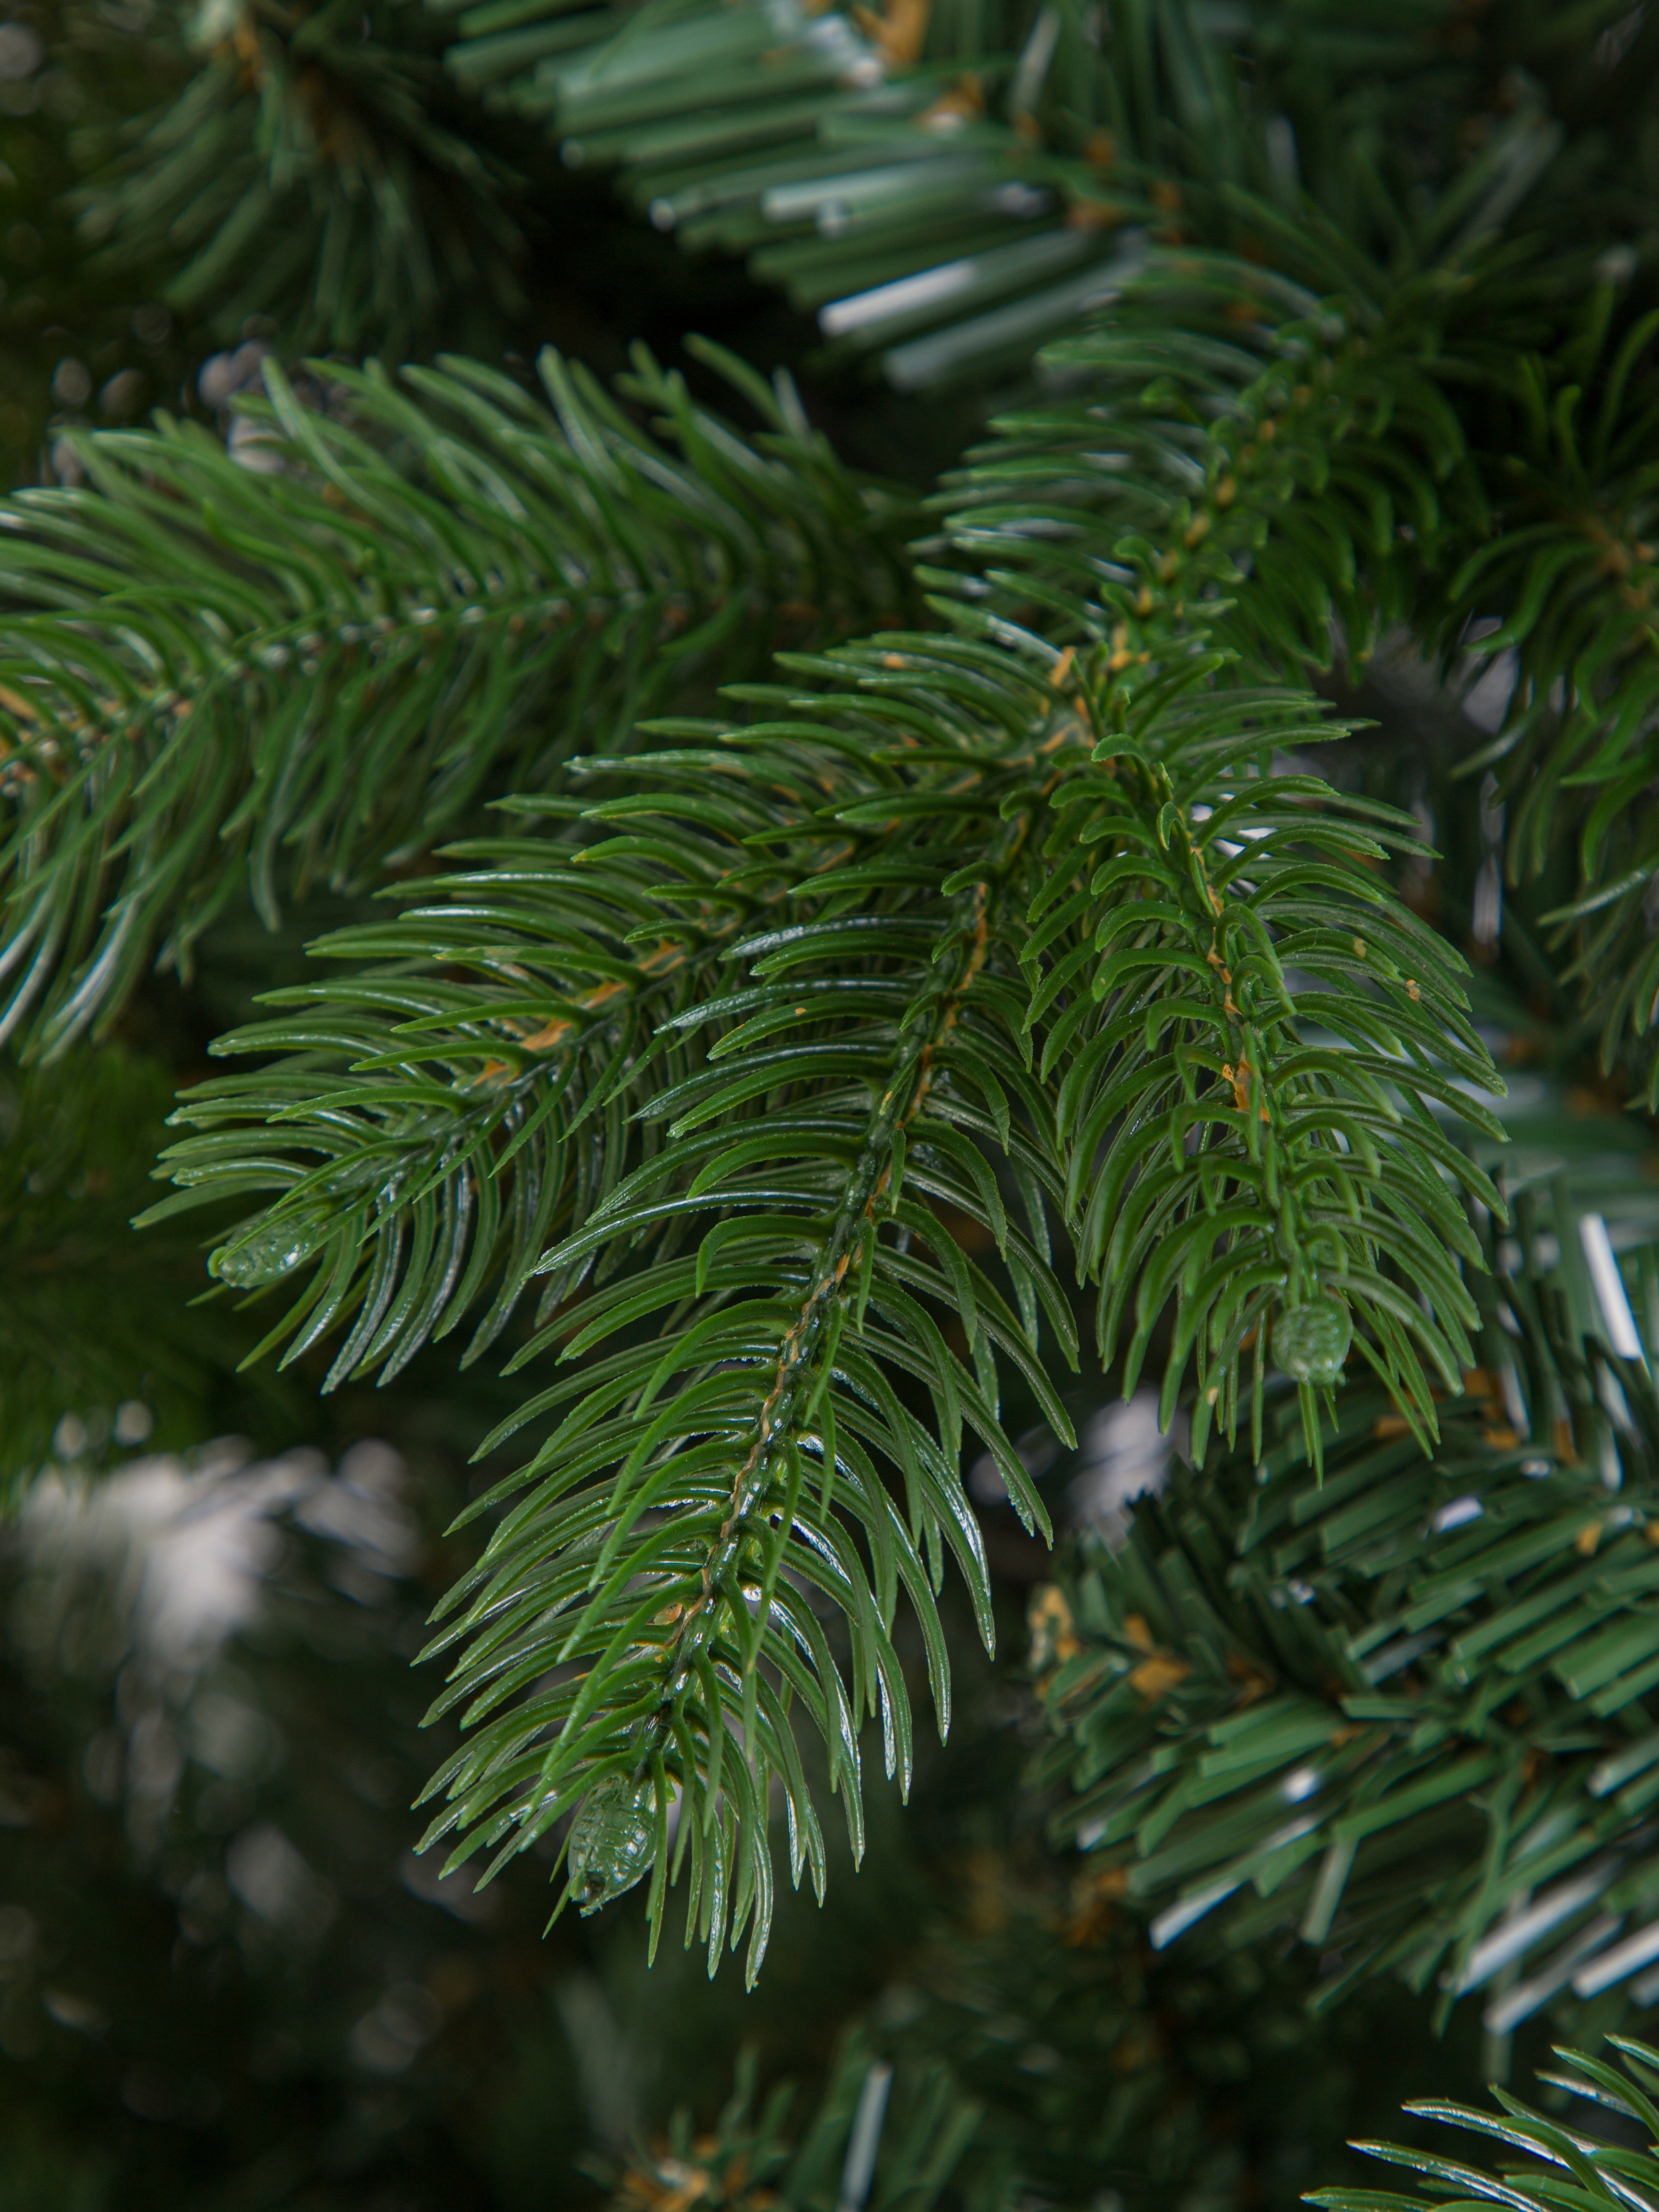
[225, 1980]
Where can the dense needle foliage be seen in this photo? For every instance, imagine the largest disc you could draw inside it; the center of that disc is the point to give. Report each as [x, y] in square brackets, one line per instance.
[772, 995]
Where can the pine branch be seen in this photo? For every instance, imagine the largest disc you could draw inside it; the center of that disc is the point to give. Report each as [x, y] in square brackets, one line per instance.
[1277, 446]
[318, 170]
[949, 186]
[723, 1464]
[758, 1091]
[442, 594]
[872, 184]
[946, 188]
[997, 906]
[1274, 476]
[1406, 1713]
[1274, 440]
[1475, 512]
[1565, 2167]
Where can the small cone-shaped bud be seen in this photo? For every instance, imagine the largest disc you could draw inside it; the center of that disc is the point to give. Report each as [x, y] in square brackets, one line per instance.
[1310, 1342]
[613, 1840]
[273, 1251]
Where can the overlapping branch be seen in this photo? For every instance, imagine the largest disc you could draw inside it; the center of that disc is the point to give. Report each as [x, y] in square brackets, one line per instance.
[767, 1055]
[430, 593]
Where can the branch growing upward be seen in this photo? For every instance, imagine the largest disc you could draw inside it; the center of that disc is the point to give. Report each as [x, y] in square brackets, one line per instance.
[1030, 930]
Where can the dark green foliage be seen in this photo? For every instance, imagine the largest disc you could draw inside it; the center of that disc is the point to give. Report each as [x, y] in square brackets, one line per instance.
[70, 344]
[1396, 132]
[1289, 431]
[1568, 584]
[219, 1978]
[414, 597]
[945, 185]
[96, 1327]
[891, 2145]
[1161, 2076]
[177, 2030]
[318, 170]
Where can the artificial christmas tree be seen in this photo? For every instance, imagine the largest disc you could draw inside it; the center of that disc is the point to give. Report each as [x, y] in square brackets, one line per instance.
[829, 983]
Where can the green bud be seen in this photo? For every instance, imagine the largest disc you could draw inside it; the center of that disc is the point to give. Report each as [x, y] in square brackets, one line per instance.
[1310, 1342]
[613, 1840]
[274, 1250]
